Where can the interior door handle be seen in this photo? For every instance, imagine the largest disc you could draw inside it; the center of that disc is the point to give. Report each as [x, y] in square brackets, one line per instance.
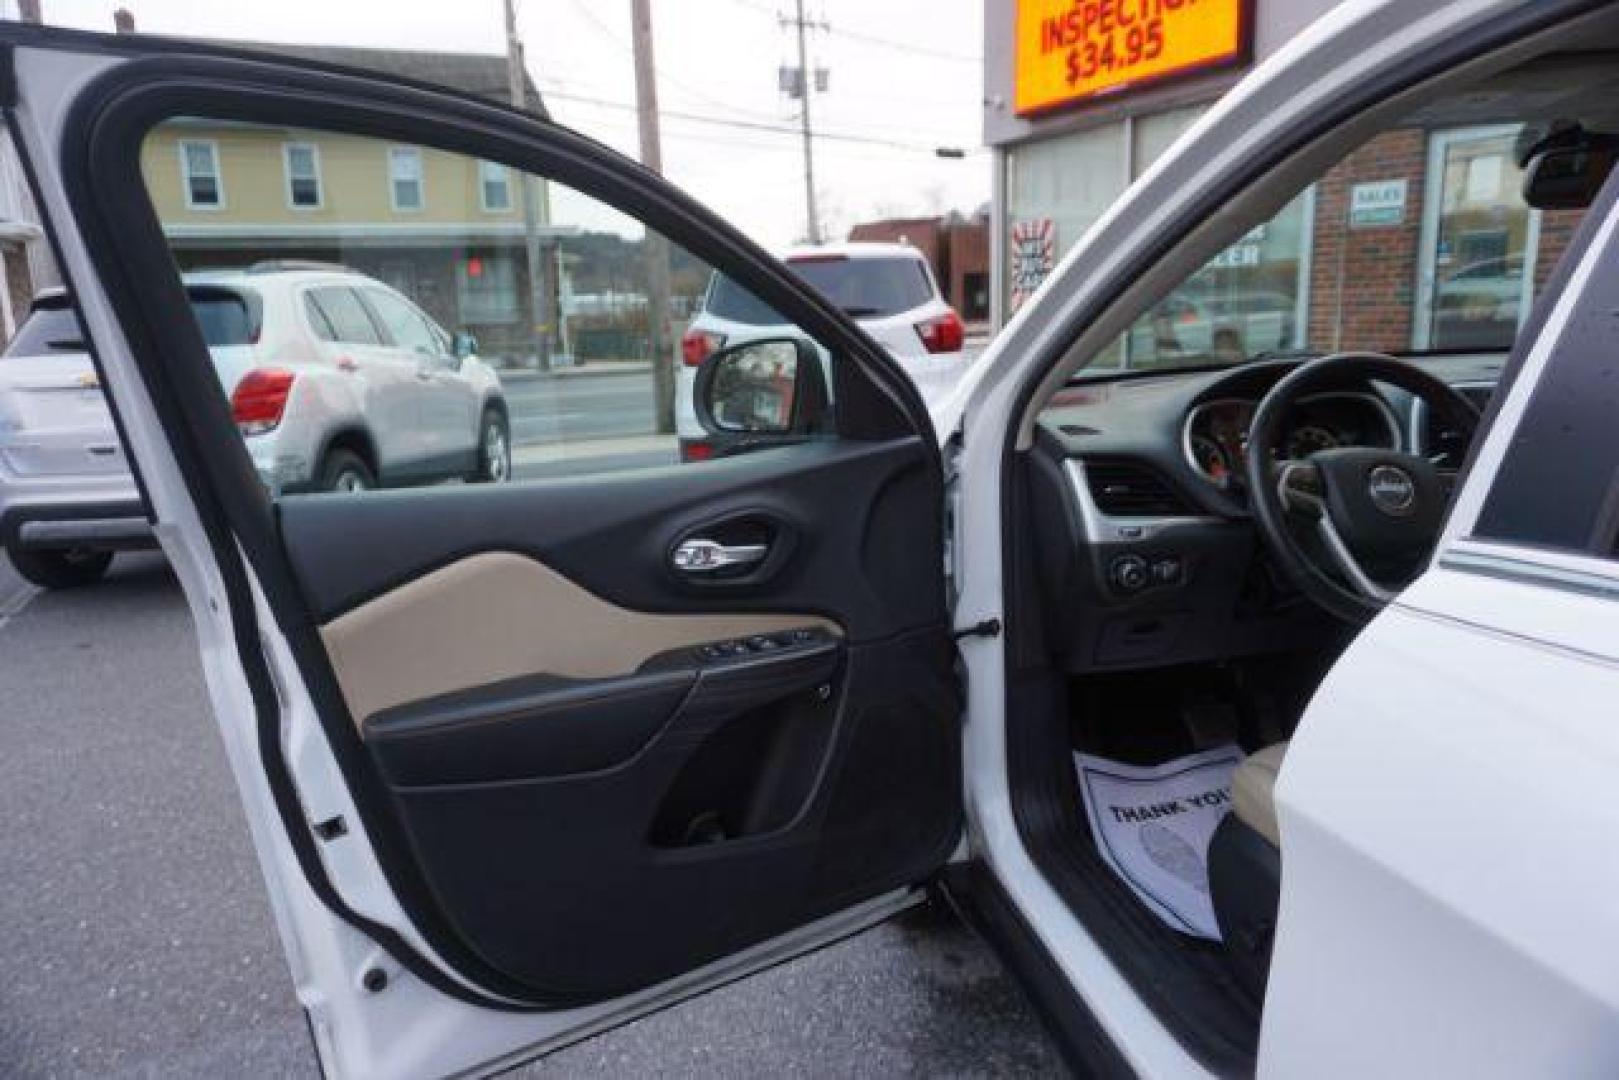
[706, 556]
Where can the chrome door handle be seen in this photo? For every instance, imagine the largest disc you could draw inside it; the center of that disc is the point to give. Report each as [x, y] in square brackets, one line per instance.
[706, 556]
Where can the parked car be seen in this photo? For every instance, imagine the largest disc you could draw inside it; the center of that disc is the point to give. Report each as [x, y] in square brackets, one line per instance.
[888, 289]
[336, 381]
[1217, 326]
[525, 763]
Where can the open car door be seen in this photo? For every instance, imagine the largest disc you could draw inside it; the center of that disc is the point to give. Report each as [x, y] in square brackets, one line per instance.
[520, 760]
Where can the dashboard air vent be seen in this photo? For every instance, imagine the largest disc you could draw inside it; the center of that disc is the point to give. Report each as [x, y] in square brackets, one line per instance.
[1131, 489]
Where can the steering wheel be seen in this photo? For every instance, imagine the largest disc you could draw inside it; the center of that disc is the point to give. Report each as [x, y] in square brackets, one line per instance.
[1350, 526]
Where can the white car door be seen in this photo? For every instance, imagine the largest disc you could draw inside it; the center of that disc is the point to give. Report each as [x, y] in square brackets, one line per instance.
[700, 766]
[1447, 806]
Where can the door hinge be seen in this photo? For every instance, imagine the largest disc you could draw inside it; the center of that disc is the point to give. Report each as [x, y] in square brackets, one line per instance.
[987, 628]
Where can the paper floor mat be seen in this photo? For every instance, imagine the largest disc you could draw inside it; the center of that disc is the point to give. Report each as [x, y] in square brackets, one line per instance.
[1153, 823]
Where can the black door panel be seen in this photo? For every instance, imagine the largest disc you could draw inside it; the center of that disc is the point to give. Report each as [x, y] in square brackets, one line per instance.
[860, 516]
[590, 836]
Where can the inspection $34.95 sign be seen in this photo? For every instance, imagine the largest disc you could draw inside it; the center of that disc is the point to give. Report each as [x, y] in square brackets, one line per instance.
[1072, 50]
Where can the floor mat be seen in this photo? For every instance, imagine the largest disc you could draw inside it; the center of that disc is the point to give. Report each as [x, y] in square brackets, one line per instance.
[1152, 825]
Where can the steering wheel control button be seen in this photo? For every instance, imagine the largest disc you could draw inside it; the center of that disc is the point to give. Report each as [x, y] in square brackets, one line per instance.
[1392, 490]
[1129, 573]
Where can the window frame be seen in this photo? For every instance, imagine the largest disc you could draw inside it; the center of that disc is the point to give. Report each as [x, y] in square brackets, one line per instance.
[186, 174]
[395, 152]
[483, 187]
[287, 150]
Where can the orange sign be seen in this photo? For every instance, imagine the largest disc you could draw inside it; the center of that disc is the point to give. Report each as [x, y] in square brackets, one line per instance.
[1074, 50]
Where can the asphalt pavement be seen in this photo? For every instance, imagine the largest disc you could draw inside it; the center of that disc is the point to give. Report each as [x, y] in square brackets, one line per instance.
[136, 941]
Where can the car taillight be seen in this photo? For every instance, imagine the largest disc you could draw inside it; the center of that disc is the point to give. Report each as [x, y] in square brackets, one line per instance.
[696, 450]
[698, 345]
[945, 333]
[260, 399]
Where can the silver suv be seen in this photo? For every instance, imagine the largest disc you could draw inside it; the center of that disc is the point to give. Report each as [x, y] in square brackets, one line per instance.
[336, 381]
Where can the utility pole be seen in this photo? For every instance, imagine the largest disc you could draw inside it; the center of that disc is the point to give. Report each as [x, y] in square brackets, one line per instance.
[653, 246]
[805, 86]
[540, 293]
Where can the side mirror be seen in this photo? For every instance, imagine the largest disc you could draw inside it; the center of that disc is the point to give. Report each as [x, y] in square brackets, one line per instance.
[764, 392]
[463, 345]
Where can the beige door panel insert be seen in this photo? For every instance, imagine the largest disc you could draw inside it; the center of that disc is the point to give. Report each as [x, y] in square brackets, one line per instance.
[498, 616]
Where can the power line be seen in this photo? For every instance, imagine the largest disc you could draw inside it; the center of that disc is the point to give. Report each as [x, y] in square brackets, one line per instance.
[748, 125]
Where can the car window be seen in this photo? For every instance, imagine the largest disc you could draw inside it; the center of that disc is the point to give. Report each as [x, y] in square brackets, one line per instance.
[1418, 242]
[342, 318]
[730, 301]
[403, 324]
[48, 329]
[576, 334]
[225, 316]
[867, 286]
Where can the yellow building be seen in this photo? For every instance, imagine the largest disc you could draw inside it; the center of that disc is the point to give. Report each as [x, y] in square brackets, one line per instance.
[447, 230]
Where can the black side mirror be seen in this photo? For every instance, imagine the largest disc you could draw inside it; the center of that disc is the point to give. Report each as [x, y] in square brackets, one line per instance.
[463, 345]
[1564, 165]
[766, 392]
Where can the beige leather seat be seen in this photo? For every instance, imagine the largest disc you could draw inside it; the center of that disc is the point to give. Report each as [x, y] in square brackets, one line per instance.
[1253, 791]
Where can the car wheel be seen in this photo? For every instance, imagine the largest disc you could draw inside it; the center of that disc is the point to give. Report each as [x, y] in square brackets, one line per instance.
[1228, 347]
[346, 471]
[60, 568]
[494, 449]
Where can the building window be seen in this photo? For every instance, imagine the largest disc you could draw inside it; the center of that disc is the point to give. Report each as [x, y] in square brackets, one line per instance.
[405, 177]
[487, 285]
[303, 175]
[199, 172]
[494, 187]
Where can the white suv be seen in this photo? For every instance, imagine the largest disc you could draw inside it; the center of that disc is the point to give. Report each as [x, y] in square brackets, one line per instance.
[890, 291]
[336, 381]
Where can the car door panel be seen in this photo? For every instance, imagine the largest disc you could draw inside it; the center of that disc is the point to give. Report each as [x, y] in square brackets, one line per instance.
[540, 680]
[558, 834]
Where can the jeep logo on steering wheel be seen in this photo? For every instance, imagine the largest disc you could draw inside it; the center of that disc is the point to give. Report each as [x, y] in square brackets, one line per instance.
[1392, 490]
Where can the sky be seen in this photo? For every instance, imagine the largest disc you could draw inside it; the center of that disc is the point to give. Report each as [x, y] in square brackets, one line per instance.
[905, 77]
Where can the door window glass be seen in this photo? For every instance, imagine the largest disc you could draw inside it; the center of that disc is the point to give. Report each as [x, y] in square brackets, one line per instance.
[547, 325]
[343, 314]
[402, 323]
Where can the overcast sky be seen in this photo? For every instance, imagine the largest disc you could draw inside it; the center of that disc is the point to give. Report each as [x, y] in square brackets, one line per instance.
[904, 77]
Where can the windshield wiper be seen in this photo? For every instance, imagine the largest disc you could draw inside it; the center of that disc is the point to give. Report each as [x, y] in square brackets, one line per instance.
[858, 312]
[66, 345]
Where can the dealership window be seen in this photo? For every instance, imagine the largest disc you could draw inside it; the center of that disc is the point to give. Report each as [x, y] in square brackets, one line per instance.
[487, 289]
[199, 173]
[302, 161]
[494, 187]
[1479, 242]
[405, 178]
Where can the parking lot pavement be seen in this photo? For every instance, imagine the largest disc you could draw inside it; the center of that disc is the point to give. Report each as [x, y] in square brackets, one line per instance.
[135, 938]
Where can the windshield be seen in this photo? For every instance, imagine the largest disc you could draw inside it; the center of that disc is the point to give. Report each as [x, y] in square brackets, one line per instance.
[225, 316]
[1418, 242]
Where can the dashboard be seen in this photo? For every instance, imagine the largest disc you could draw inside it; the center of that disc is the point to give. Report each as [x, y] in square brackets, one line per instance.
[1144, 553]
[1215, 433]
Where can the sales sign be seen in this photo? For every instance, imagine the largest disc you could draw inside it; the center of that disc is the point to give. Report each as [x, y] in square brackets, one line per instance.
[1074, 50]
[1380, 202]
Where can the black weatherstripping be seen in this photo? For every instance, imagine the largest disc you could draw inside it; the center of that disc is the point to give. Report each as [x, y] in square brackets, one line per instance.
[105, 190]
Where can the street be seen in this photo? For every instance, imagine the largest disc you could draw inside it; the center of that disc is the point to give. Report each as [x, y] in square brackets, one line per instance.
[137, 940]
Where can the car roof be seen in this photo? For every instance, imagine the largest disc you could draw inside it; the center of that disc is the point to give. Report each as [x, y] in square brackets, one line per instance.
[857, 249]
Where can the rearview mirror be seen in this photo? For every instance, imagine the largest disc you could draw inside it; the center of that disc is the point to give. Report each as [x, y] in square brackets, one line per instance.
[772, 390]
[463, 345]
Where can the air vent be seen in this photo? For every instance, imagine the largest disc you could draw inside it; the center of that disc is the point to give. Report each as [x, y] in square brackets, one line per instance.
[1131, 489]
[1439, 440]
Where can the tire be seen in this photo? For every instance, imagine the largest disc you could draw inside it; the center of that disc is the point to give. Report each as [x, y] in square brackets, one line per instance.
[345, 471]
[1228, 347]
[60, 568]
[494, 449]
